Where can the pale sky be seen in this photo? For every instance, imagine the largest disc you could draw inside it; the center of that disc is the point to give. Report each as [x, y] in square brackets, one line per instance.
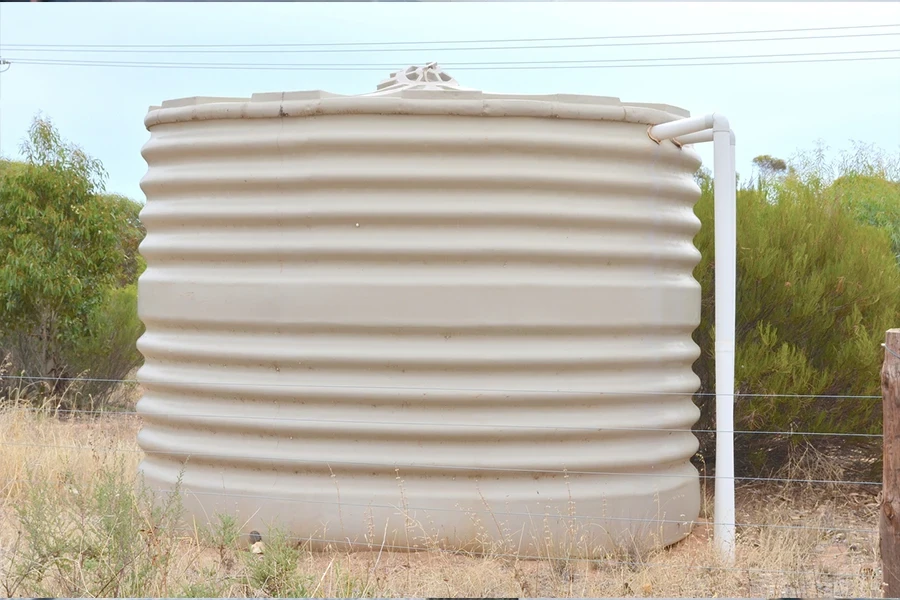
[774, 109]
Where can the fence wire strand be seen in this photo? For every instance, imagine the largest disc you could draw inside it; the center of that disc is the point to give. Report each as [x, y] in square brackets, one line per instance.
[155, 415]
[187, 455]
[255, 384]
[573, 517]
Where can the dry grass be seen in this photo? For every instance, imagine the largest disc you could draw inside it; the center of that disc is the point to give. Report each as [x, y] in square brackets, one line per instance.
[68, 511]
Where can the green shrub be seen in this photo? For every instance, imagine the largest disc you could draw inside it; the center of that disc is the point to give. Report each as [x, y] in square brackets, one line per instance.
[108, 351]
[58, 248]
[864, 179]
[68, 264]
[276, 572]
[131, 234]
[104, 540]
[872, 200]
[816, 290]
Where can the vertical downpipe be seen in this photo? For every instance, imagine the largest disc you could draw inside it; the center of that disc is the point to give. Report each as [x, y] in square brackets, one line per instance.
[725, 274]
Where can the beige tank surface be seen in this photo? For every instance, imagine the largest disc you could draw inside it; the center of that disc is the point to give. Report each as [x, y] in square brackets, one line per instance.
[424, 316]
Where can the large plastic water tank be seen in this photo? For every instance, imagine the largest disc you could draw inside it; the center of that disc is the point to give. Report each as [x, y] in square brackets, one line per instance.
[426, 315]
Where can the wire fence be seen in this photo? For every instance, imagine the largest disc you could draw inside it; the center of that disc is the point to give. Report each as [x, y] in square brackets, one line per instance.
[187, 404]
[187, 455]
[287, 419]
[287, 414]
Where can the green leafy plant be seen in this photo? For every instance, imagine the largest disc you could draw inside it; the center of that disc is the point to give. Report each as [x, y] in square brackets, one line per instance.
[58, 245]
[107, 352]
[64, 246]
[816, 288]
[131, 233]
[223, 535]
[103, 540]
[275, 572]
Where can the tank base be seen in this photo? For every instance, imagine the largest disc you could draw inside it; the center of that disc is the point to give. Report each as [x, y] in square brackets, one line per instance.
[573, 516]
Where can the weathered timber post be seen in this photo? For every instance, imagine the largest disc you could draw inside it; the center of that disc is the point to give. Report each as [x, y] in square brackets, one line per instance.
[890, 501]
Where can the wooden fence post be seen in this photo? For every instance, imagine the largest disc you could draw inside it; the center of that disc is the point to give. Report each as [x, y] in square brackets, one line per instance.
[890, 501]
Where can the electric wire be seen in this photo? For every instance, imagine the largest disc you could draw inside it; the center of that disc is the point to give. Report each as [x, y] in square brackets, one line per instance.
[460, 65]
[8, 47]
[471, 41]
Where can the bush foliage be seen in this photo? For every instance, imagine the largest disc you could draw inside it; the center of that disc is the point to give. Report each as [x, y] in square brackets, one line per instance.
[108, 350]
[110, 539]
[818, 284]
[68, 263]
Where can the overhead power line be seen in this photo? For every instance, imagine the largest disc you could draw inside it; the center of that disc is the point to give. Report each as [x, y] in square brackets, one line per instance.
[288, 50]
[476, 41]
[522, 66]
[458, 65]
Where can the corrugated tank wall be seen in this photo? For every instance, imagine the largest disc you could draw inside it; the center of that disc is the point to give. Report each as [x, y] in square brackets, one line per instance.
[422, 317]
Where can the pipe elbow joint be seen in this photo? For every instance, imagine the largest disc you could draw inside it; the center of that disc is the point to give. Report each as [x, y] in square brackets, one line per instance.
[720, 123]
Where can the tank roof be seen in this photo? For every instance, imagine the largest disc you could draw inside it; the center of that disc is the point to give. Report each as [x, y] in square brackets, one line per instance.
[423, 90]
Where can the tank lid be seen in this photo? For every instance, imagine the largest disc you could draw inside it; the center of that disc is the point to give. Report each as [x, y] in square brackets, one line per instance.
[431, 78]
[426, 78]
[423, 90]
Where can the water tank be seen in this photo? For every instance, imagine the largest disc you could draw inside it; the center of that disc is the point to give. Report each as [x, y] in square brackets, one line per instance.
[428, 315]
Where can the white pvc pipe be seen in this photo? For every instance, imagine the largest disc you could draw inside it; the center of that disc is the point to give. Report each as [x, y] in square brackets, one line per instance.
[725, 274]
[674, 129]
[695, 138]
[695, 130]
